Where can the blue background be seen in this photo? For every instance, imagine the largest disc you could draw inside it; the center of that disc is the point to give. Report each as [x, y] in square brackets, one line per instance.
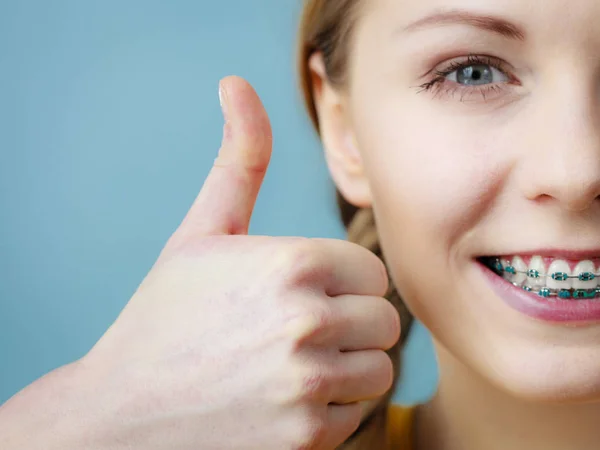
[109, 123]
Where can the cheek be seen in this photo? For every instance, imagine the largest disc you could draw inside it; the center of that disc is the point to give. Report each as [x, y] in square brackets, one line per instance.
[432, 181]
[435, 180]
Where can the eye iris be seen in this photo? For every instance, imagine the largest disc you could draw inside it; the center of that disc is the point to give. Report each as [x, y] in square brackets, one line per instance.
[475, 75]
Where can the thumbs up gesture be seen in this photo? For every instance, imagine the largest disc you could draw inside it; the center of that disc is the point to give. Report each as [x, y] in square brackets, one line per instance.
[244, 342]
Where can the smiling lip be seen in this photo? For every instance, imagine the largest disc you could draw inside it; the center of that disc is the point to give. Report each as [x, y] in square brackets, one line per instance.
[537, 307]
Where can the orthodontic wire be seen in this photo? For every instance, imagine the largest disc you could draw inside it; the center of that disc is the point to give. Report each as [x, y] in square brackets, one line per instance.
[558, 276]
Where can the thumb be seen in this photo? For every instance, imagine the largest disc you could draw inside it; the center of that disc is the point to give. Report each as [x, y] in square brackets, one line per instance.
[226, 201]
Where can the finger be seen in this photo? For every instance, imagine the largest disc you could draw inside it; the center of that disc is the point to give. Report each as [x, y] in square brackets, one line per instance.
[225, 202]
[362, 375]
[352, 269]
[342, 420]
[364, 323]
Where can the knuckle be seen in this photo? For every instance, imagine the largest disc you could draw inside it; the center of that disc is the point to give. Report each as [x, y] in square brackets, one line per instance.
[322, 319]
[301, 252]
[311, 432]
[253, 140]
[302, 262]
[314, 323]
[307, 386]
[313, 384]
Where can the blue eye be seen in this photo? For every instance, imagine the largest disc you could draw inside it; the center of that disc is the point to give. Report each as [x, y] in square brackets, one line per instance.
[477, 75]
[480, 75]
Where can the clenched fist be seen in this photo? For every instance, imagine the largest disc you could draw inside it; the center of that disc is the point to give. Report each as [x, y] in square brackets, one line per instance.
[241, 342]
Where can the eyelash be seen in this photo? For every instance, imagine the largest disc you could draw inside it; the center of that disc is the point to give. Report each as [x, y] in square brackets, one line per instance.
[436, 86]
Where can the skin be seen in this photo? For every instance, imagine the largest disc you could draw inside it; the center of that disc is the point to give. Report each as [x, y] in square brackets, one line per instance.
[231, 341]
[452, 176]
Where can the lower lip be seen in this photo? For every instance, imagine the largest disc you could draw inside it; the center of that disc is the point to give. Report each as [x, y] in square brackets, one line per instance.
[541, 308]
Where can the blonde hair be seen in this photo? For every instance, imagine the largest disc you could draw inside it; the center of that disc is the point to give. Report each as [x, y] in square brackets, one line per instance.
[326, 26]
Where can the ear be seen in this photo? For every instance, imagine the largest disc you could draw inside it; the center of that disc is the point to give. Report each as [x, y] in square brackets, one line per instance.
[342, 152]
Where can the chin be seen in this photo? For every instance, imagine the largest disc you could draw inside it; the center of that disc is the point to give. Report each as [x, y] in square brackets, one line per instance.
[546, 375]
[546, 345]
[534, 347]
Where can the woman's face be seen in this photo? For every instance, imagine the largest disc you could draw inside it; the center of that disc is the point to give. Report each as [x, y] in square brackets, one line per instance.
[479, 135]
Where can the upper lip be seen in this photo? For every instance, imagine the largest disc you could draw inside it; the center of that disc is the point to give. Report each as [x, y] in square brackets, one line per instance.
[556, 253]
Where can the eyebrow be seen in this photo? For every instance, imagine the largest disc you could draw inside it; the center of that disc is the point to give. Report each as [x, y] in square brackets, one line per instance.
[494, 24]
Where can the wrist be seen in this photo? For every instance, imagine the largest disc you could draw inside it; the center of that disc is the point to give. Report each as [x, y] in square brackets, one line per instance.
[51, 413]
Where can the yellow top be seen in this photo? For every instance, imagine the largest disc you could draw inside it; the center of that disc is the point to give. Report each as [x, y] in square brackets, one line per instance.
[400, 426]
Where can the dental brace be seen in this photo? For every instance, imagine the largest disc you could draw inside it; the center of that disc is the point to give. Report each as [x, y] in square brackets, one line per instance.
[578, 294]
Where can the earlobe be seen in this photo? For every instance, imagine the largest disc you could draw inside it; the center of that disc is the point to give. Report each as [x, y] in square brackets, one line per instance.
[342, 151]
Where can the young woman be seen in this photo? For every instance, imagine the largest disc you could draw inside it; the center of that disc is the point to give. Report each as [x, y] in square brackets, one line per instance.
[464, 140]
[469, 133]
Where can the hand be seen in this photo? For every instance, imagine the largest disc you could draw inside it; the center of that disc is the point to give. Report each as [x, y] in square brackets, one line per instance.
[235, 341]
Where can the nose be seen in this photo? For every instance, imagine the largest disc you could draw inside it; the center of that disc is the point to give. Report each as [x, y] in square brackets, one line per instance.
[564, 147]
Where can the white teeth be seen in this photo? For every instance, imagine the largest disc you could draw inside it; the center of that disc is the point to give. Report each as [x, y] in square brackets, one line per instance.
[537, 265]
[559, 266]
[583, 267]
[580, 282]
[520, 266]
